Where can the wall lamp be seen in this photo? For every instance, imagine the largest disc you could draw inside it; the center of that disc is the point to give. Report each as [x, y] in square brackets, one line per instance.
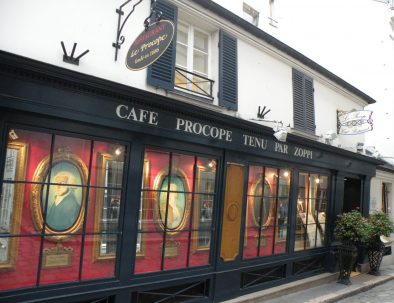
[280, 133]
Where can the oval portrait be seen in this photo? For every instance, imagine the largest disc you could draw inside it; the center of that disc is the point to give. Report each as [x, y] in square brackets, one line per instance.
[61, 198]
[171, 205]
[266, 208]
[176, 202]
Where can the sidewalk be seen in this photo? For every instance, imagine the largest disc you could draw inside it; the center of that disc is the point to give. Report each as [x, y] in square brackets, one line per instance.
[304, 291]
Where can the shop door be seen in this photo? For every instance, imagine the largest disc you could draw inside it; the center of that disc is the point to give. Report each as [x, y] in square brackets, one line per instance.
[351, 194]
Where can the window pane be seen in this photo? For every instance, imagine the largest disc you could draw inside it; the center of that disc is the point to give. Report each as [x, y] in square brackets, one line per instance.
[175, 252]
[199, 255]
[71, 158]
[267, 211]
[25, 264]
[181, 57]
[175, 183]
[63, 259]
[200, 63]
[64, 206]
[92, 269]
[200, 41]
[311, 211]
[158, 165]
[182, 33]
[206, 175]
[151, 262]
[25, 149]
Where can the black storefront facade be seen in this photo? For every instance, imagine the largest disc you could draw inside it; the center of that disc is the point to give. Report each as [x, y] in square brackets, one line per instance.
[174, 202]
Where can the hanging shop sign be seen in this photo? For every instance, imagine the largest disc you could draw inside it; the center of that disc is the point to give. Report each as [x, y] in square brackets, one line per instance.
[354, 122]
[150, 45]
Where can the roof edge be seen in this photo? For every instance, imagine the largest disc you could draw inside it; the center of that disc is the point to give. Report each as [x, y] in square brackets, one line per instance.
[233, 18]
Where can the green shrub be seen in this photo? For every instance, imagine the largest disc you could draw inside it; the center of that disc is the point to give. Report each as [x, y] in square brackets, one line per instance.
[350, 228]
[379, 224]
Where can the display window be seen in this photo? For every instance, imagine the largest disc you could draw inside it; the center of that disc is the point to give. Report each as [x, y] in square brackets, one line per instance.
[59, 209]
[312, 201]
[176, 212]
[266, 221]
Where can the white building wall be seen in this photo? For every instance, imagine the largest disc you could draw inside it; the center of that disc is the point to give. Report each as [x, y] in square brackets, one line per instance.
[263, 81]
[35, 29]
[376, 201]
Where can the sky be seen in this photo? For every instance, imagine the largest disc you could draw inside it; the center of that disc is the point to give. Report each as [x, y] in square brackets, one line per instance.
[351, 38]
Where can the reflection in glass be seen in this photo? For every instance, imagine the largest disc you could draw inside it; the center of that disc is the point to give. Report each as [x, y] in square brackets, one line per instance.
[110, 168]
[311, 211]
[266, 221]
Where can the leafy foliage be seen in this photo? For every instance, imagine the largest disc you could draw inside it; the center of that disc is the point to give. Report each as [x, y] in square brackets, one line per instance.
[350, 228]
[379, 224]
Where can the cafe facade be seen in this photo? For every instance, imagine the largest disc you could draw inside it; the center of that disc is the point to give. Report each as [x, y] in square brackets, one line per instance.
[119, 193]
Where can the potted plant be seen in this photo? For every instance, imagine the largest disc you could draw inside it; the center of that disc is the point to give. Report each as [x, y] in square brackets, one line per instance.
[350, 231]
[379, 224]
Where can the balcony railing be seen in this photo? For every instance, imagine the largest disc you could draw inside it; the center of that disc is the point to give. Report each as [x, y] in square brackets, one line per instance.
[194, 83]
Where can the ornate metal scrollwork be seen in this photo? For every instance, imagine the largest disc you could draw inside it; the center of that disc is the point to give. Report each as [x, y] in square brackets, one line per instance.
[148, 21]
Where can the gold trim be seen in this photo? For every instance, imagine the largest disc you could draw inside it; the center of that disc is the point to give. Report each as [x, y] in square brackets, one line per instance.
[171, 249]
[143, 205]
[40, 175]
[57, 257]
[252, 197]
[196, 212]
[176, 172]
[19, 191]
[102, 159]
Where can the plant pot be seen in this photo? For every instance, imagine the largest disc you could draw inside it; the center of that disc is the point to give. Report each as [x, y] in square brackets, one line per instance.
[375, 256]
[347, 255]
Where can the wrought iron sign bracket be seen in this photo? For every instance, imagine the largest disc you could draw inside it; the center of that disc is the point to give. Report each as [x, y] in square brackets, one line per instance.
[262, 113]
[119, 38]
[70, 58]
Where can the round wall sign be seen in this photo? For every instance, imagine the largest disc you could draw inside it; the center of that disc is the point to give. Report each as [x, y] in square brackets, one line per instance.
[150, 45]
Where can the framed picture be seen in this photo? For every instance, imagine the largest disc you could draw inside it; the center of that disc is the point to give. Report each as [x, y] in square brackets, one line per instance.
[61, 198]
[11, 203]
[107, 206]
[202, 220]
[267, 207]
[143, 214]
[172, 201]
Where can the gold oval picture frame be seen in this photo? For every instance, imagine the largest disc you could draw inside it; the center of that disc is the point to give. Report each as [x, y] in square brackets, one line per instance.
[178, 201]
[66, 195]
[268, 208]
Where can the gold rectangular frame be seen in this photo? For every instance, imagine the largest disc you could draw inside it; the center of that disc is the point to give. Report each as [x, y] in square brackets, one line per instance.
[143, 210]
[102, 159]
[196, 216]
[20, 173]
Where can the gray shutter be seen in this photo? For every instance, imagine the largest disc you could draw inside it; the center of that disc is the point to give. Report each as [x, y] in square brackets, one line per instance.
[309, 105]
[303, 102]
[161, 73]
[228, 71]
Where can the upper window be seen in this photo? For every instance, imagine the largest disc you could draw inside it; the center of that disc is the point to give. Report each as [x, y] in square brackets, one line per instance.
[192, 57]
[303, 103]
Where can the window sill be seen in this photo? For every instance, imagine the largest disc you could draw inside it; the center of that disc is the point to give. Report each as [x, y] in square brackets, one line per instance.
[304, 134]
[195, 100]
